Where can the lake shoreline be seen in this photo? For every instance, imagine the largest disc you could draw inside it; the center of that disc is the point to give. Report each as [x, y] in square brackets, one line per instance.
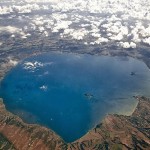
[3, 72]
[105, 87]
[11, 125]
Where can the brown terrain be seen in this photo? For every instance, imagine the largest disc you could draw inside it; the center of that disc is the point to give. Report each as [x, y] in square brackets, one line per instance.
[116, 132]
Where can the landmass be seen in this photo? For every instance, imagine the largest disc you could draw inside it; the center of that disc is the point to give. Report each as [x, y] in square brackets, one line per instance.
[115, 132]
[89, 96]
[132, 73]
[17, 135]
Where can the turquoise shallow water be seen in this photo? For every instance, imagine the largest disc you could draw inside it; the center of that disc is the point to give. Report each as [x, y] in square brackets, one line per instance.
[71, 93]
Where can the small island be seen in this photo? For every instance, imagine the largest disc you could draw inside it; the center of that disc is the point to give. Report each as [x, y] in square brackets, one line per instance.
[132, 73]
[89, 96]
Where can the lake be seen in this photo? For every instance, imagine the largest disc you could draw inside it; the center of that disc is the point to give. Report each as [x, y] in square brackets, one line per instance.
[72, 93]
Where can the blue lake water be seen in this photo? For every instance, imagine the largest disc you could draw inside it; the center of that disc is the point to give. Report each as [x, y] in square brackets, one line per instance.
[71, 93]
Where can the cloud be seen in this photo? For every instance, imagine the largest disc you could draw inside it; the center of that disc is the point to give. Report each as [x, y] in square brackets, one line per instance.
[32, 65]
[122, 21]
[61, 25]
[9, 29]
[41, 29]
[13, 62]
[44, 87]
[117, 37]
[128, 45]
[43, 1]
[145, 32]
[5, 10]
[147, 40]
[12, 30]
[79, 34]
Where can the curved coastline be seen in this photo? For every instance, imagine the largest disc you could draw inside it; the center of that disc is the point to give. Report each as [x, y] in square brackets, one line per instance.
[111, 132]
[48, 139]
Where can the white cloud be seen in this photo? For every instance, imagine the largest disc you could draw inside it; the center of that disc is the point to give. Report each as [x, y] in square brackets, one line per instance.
[61, 25]
[44, 87]
[68, 31]
[128, 44]
[145, 32]
[101, 40]
[46, 33]
[117, 37]
[12, 62]
[124, 30]
[79, 34]
[41, 29]
[114, 29]
[5, 10]
[43, 1]
[132, 45]
[32, 65]
[12, 30]
[147, 40]
[96, 35]
[125, 44]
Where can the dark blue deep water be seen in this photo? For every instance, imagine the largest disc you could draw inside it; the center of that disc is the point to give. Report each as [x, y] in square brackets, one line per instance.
[71, 93]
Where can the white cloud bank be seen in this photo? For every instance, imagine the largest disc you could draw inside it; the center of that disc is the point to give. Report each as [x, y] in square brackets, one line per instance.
[128, 22]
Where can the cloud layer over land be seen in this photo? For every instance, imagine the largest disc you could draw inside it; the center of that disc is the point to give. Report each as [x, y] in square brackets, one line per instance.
[94, 22]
